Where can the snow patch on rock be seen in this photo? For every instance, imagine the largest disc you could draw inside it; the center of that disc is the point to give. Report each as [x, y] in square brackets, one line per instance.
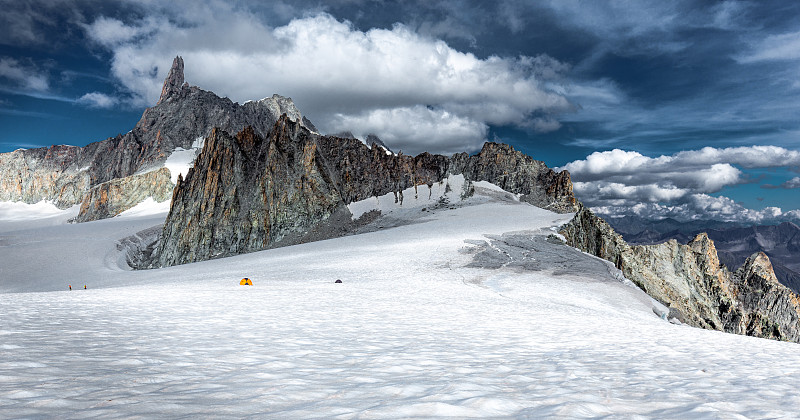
[181, 160]
[148, 207]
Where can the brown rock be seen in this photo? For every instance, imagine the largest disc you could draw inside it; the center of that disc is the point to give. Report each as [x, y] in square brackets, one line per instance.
[691, 280]
[247, 193]
[114, 197]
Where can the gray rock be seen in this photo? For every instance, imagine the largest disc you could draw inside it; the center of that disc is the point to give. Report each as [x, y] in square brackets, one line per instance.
[518, 173]
[183, 114]
[114, 197]
[735, 244]
[691, 281]
[247, 193]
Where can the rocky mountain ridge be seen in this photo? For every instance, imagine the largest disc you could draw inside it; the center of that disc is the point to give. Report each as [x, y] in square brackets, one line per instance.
[184, 113]
[247, 192]
[114, 197]
[734, 243]
[690, 279]
[266, 178]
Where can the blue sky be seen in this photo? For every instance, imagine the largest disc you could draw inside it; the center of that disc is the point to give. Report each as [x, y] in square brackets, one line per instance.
[685, 109]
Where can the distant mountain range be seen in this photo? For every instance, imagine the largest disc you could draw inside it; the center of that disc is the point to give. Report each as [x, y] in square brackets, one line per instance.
[734, 242]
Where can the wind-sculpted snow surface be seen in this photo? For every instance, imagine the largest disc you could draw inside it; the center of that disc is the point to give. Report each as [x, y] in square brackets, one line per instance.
[415, 329]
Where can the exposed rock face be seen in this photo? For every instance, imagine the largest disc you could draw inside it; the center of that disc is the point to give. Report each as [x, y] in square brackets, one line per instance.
[516, 172]
[246, 193]
[113, 197]
[64, 174]
[52, 173]
[174, 81]
[770, 311]
[691, 280]
[735, 244]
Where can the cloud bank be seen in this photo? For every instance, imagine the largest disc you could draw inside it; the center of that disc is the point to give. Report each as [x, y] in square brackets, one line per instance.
[415, 91]
[619, 182]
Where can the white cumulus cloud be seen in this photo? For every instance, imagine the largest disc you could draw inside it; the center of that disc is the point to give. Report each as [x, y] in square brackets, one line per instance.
[792, 183]
[406, 128]
[339, 74]
[700, 207]
[619, 182]
[97, 100]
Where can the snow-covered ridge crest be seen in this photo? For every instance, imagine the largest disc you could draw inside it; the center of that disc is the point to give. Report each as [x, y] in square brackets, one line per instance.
[453, 190]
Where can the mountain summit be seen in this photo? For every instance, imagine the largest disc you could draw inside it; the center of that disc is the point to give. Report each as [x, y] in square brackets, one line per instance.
[174, 81]
[183, 116]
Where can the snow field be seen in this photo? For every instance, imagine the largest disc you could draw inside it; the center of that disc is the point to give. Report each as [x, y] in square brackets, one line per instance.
[181, 160]
[19, 215]
[411, 332]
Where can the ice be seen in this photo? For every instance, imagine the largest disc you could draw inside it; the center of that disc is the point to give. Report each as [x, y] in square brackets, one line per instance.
[413, 331]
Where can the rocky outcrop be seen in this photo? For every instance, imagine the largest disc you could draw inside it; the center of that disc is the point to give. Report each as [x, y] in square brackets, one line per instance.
[114, 197]
[516, 172]
[64, 174]
[769, 310]
[690, 279]
[246, 192]
[52, 173]
[735, 244]
[173, 84]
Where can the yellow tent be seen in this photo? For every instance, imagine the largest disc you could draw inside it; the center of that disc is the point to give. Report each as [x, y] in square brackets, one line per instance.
[246, 282]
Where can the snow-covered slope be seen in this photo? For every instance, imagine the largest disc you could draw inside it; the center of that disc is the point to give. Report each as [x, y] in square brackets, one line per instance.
[419, 327]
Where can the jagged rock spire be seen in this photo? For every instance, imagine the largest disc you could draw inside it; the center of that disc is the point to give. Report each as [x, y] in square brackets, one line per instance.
[760, 265]
[174, 80]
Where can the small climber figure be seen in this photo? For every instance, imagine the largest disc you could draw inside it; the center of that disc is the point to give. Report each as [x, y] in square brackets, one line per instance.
[70, 287]
[84, 287]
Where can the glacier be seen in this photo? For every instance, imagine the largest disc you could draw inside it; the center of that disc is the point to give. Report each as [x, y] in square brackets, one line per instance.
[415, 329]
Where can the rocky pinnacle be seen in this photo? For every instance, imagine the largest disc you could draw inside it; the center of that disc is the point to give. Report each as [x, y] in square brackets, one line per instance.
[184, 115]
[174, 81]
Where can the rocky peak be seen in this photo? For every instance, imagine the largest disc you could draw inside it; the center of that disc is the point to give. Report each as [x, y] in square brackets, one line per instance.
[689, 279]
[517, 172]
[183, 114]
[759, 265]
[372, 141]
[174, 81]
[704, 246]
